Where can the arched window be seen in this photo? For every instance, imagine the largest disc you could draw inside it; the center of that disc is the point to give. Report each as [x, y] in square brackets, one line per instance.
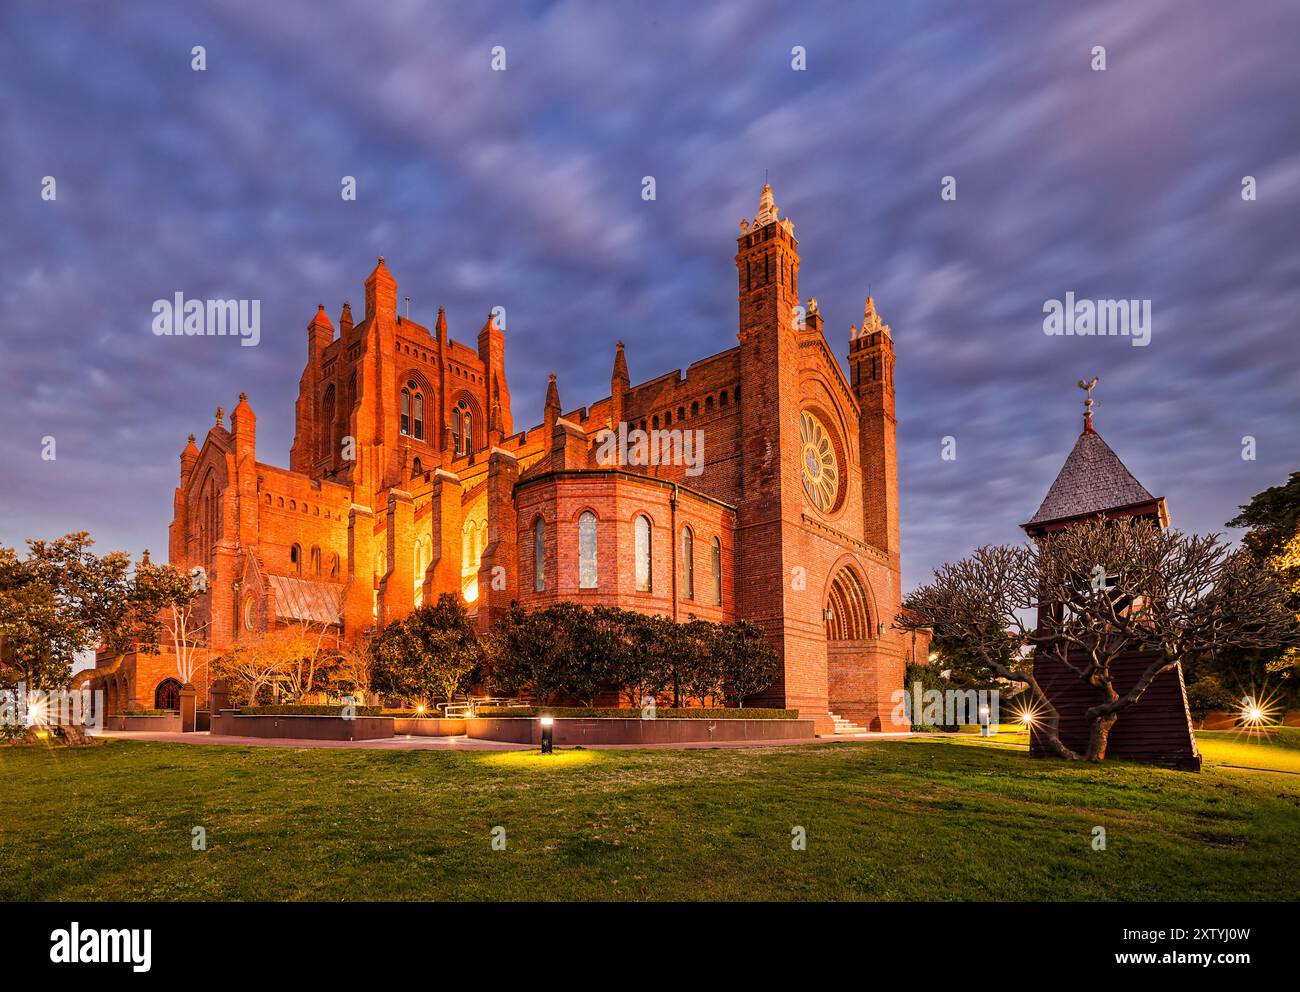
[688, 563]
[539, 555]
[417, 468]
[419, 412]
[406, 411]
[644, 571]
[168, 695]
[587, 551]
[462, 428]
[295, 558]
[326, 434]
[334, 566]
[423, 555]
[722, 398]
[717, 572]
[315, 562]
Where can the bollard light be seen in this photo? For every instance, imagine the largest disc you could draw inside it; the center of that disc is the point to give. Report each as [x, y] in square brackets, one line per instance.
[548, 725]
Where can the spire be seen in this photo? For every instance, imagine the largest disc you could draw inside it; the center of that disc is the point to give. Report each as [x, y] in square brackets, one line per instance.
[440, 325]
[552, 395]
[345, 318]
[381, 292]
[188, 457]
[766, 207]
[221, 413]
[871, 322]
[620, 367]
[321, 318]
[1088, 387]
[552, 410]
[242, 418]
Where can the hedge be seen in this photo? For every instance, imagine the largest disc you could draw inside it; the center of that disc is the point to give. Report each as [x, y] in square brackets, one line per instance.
[634, 713]
[305, 710]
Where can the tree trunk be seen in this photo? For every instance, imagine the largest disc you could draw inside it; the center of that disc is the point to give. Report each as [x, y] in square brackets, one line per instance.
[1100, 735]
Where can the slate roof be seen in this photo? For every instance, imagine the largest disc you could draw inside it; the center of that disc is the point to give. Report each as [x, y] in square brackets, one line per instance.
[1092, 480]
[304, 599]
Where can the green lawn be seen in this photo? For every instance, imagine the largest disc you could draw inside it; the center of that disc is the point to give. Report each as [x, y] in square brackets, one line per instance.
[1275, 750]
[919, 819]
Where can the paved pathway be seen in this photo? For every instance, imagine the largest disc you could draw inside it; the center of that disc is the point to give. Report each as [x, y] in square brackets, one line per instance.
[414, 743]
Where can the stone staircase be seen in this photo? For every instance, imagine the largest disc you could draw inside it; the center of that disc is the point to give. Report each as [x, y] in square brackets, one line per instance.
[843, 726]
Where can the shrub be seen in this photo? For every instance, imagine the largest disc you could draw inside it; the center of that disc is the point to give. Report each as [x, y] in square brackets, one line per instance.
[305, 709]
[634, 713]
[566, 649]
[1208, 693]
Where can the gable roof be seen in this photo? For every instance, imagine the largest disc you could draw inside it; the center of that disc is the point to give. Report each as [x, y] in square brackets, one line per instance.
[305, 599]
[1092, 480]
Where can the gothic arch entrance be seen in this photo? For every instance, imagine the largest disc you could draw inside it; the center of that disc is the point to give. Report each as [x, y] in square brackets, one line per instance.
[847, 616]
[851, 650]
[168, 695]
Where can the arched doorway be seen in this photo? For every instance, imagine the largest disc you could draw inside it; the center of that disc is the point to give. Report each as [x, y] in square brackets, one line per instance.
[168, 695]
[847, 617]
[852, 685]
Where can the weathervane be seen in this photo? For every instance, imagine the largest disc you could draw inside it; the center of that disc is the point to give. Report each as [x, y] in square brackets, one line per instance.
[1088, 387]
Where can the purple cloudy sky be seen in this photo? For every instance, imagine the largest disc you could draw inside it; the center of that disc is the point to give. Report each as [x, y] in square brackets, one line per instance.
[522, 188]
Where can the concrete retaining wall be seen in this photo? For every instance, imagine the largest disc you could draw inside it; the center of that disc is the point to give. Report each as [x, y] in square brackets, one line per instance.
[310, 728]
[426, 726]
[168, 723]
[616, 730]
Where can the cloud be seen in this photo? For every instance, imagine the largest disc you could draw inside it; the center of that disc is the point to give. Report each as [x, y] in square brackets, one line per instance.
[523, 189]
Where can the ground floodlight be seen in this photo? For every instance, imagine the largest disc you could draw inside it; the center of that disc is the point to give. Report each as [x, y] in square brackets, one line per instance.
[548, 731]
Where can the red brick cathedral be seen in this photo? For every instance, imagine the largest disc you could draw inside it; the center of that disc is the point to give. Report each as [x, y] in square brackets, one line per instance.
[408, 478]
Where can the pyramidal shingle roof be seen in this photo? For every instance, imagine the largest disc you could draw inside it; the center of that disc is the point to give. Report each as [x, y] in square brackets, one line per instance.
[1092, 480]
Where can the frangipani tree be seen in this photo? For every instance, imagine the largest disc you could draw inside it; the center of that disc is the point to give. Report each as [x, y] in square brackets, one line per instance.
[1091, 592]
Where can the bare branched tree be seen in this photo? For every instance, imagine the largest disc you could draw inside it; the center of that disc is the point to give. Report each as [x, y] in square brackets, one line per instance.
[985, 602]
[1125, 585]
[1105, 587]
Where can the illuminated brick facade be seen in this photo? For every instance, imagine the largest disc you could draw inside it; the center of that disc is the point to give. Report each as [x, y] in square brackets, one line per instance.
[407, 479]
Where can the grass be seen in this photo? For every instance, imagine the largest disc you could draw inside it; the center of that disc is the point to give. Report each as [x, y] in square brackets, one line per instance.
[1277, 750]
[919, 819]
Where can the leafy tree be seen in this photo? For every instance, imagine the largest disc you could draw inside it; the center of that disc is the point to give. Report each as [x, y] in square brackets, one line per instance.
[432, 653]
[748, 662]
[1273, 517]
[63, 599]
[701, 659]
[1273, 539]
[642, 666]
[592, 648]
